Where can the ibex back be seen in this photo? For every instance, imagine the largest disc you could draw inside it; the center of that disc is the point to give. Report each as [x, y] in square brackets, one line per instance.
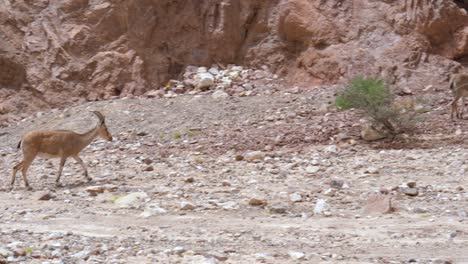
[459, 87]
[57, 144]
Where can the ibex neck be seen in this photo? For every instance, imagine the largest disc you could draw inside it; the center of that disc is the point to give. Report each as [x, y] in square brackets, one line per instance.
[89, 136]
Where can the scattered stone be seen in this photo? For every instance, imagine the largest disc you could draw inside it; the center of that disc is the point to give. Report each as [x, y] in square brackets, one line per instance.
[189, 180]
[336, 184]
[152, 209]
[411, 184]
[179, 250]
[214, 254]
[254, 155]
[46, 196]
[278, 209]
[368, 133]
[330, 192]
[372, 170]
[149, 168]
[378, 204]
[331, 149]
[312, 169]
[5, 252]
[205, 80]
[239, 157]
[132, 199]
[296, 255]
[410, 191]
[147, 161]
[94, 190]
[257, 202]
[295, 197]
[321, 206]
[186, 206]
[219, 95]
[110, 187]
[229, 205]
[462, 213]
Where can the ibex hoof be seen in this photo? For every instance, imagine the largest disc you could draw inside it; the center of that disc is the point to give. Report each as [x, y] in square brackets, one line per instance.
[89, 179]
[29, 188]
[58, 185]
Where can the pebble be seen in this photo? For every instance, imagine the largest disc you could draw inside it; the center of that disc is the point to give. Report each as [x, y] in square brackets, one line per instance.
[254, 155]
[94, 190]
[46, 196]
[330, 192]
[257, 202]
[5, 252]
[410, 191]
[186, 206]
[321, 206]
[372, 170]
[219, 94]
[278, 209]
[132, 199]
[411, 184]
[312, 169]
[331, 149]
[295, 197]
[296, 255]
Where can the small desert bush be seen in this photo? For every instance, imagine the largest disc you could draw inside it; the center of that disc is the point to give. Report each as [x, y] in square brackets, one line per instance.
[374, 99]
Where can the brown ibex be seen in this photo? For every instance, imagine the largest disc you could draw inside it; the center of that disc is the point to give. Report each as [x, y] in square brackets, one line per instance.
[57, 144]
[459, 86]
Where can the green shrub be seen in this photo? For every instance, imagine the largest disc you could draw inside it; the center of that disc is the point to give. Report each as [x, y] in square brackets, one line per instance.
[374, 99]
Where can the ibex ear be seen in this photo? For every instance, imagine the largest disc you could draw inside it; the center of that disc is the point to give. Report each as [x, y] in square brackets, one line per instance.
[100, 116]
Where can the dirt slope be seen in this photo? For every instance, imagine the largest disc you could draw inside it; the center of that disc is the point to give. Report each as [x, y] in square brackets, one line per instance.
[183, 150]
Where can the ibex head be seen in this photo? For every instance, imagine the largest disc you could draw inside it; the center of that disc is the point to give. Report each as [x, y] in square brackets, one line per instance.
[102, 131]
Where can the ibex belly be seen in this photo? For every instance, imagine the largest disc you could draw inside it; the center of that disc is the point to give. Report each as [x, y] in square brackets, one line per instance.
[47, 155]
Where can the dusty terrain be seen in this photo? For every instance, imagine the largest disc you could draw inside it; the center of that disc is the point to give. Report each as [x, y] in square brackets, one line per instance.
[227, 146]
[187, 150]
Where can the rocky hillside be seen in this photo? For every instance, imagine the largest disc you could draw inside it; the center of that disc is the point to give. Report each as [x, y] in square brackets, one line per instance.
[56, 53]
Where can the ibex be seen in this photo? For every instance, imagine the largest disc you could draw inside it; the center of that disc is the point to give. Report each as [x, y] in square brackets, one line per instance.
[459, 86]
[57, 144]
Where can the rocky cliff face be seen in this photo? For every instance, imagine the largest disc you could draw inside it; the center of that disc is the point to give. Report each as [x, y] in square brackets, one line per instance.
[55, 53]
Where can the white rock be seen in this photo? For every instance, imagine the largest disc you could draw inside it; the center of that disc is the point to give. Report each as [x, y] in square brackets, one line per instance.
[231, 205]
[202, 70]
[237, 68]
[132, 199]
[331, 149]
[372, 170]
[205, 80]
[330, 192]
[296, 255]
[312, 169]
[153, 209]
[5, 252]
[213, 71]
[321, 206]
[220, 95]
[295, 197]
